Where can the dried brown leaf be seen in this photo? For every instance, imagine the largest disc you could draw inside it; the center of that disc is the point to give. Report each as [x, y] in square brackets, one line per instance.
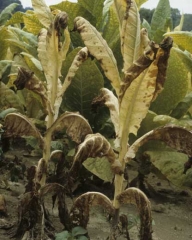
[137, 197]
[19, 125]
[138, 67]
[81, 207]
[163, 54]
[77, 127]
[95, 145]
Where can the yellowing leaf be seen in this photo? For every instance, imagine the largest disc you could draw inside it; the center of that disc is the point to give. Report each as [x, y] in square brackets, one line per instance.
[32, 24]
[129, 30]
[98, 47]
[182, 39]
[43, 12]
[110, 100]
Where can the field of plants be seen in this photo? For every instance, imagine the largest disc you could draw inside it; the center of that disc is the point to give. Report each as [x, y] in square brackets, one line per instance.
[95, 116]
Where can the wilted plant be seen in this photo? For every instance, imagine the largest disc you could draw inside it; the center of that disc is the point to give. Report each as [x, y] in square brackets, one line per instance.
[128, 99]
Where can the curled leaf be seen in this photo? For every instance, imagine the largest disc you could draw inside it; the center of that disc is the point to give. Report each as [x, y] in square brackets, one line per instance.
[137, 197]
[95, 145]
[176, 137]
[98, 47]
[77, 127]
[110, 100]
[139, 66]
[163, 54]
[19, 125]
[81, 207]
[41, 172]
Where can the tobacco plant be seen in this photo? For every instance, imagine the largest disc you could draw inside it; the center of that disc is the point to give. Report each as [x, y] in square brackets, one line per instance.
[129, 96]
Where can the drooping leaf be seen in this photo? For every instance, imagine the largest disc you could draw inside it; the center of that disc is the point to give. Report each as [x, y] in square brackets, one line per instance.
[9, 98]
[175, 137]
[182, 39]
[107, 98]
[43, 12]
[137, 197]
[98, 47]
[129, 30]
[99, 167]
[175, 87]
[19, 125]
[76, 126]
[80, 210]
[95, 145]
[171, 165]
[159, 19]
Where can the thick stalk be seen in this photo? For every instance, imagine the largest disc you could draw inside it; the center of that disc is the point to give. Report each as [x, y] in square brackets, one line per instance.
[119, 178]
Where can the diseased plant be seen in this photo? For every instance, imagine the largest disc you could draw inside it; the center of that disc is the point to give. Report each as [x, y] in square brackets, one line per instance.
[128, 97]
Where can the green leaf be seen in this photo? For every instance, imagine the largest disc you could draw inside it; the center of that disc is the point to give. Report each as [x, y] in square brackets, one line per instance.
[6, 13]
[85, 86]
[78, 231]
[5, 112]
[65, 235]
[15, 19]
[160, 16]
[111, 29]
[171, 165]
[32, 23]
[100, 167]
[182, 39]
[175, 87]
[9, 98]
[146, 25]
[140, 2]
[34, 65]
[74, 10]
[24, 40]
[95, 7]
[182, 107]
[43, 12]
[3, 43]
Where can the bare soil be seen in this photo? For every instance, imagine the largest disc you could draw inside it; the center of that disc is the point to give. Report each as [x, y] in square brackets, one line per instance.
[171, 208]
